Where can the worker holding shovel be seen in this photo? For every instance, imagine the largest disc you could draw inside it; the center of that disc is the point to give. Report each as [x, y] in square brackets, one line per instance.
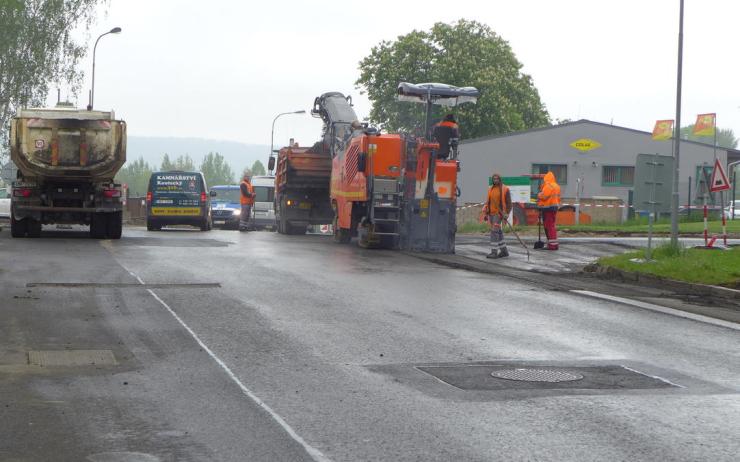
[548, 201]
[495, 210]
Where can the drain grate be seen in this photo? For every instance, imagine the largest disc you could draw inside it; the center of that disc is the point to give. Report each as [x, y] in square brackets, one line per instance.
[536, 375]
[49, 358]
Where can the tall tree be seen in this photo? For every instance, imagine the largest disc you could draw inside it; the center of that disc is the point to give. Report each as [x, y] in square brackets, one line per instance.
[37, 49]
[183, 162]
[216, 170]
[136, 175]
[725, 137]
[466, 53]
[258, 168]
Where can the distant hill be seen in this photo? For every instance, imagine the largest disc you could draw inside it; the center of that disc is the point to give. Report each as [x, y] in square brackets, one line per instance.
[238, 155]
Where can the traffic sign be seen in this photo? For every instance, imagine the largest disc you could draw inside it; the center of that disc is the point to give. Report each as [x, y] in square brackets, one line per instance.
[585, 144]
[719, 179]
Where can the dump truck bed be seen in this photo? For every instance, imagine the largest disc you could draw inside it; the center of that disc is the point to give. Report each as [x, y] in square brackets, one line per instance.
[301, 168]
[67, 144]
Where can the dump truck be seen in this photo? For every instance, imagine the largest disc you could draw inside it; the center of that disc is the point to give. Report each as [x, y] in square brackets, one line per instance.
[394, 190]
[303, 174]
[301, 189]
[67, 159]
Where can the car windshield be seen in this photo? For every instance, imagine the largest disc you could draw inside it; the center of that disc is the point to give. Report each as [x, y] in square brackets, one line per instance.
[226, 195]
[263, 193]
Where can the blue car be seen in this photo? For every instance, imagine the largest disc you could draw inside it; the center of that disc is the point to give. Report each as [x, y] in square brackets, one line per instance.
[226, 206]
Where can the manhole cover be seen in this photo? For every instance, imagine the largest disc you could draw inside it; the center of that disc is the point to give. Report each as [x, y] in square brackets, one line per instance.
[536, 375]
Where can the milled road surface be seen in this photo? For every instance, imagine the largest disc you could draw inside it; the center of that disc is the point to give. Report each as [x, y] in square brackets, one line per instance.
[255, 346]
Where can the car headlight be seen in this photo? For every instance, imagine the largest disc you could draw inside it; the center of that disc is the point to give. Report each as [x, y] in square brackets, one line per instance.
[236, 212]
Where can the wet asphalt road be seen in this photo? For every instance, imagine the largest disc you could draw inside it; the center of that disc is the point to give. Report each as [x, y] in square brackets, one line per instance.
[307, 350]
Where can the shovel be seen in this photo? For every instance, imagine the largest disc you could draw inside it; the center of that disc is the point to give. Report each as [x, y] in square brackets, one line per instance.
[539, 244]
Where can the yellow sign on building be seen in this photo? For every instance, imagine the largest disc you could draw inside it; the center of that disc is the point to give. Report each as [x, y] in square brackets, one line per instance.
[585, 144]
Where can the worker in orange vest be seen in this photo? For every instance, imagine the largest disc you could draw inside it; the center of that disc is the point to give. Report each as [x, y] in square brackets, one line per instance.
[495, 211]
[446, 133]
[247, 200]
[548, 201]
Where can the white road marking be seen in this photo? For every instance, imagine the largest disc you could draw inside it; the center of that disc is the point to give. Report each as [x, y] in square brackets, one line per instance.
[652, 376]
[315, 454]
[661, 309]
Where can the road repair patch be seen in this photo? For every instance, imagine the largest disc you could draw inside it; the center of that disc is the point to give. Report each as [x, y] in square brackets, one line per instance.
[71, 358]
[537, 377]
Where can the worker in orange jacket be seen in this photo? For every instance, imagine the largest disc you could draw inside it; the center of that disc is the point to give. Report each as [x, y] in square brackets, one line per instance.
[246, 200]
[495, 211]
[548, 201]
[446, 133]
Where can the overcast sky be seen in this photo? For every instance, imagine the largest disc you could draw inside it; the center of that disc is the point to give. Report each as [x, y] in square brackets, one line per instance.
[223, 69]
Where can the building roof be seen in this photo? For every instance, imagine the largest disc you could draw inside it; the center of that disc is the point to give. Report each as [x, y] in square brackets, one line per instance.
[732, 151]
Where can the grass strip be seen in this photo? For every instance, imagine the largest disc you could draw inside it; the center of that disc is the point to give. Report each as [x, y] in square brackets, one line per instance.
[714, 267]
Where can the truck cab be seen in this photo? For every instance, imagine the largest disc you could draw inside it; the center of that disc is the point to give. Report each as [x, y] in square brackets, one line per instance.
[263, 212]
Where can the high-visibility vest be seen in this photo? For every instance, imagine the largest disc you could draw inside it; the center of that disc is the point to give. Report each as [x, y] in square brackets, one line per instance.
[549, 196]
[244, 199]
[497, 199]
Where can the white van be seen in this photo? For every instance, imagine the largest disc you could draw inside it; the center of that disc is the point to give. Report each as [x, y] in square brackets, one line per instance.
[263, 212]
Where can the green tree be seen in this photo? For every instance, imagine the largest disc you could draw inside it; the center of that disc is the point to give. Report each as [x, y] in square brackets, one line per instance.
[136, 175]
[184, 163]
[725, 137]
[466, 53]
[37, 50]
[258, 168]
[216, 170]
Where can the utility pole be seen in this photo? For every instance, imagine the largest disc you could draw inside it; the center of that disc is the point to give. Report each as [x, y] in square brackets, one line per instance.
[677, 133]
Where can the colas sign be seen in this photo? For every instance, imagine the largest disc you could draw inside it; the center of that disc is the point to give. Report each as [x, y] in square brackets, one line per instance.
[585, 144]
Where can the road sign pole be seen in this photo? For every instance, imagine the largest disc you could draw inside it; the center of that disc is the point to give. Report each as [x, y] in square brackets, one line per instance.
[724, 217]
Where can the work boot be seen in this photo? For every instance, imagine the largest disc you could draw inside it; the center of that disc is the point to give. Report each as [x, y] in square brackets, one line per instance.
[504, 252]
[493, 254]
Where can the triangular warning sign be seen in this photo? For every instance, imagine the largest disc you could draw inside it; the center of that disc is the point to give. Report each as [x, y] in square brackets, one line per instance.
[719, 179]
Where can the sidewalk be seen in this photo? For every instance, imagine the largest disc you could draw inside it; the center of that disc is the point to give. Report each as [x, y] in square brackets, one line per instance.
[574, 253]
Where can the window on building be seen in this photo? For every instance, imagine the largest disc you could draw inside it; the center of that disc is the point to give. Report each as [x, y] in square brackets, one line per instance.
[614, 175]
[559, 170]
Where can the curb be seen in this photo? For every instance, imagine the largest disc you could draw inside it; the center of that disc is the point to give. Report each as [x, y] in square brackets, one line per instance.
[609, 272]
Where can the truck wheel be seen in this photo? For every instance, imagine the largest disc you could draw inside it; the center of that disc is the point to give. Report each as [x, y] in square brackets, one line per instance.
[341, 235]
[152, 226]
[98, 226]
[33, 227]
[17, 227]
[206, 225]
[297, 230]
[283, 225]
[114, 222]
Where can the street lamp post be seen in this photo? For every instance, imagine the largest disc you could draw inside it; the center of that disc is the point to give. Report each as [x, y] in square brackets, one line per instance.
[272, 132]
[115, 30]
[677, 132]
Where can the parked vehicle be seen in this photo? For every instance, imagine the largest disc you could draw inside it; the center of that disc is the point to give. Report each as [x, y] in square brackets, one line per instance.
[263, 212]
[226, 206]
[67, 159]
[178, 198]
[4, 202]
[732, 211]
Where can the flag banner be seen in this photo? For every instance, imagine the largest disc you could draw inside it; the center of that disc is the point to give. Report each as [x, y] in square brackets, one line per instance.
[704, 125]
[663, 130]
